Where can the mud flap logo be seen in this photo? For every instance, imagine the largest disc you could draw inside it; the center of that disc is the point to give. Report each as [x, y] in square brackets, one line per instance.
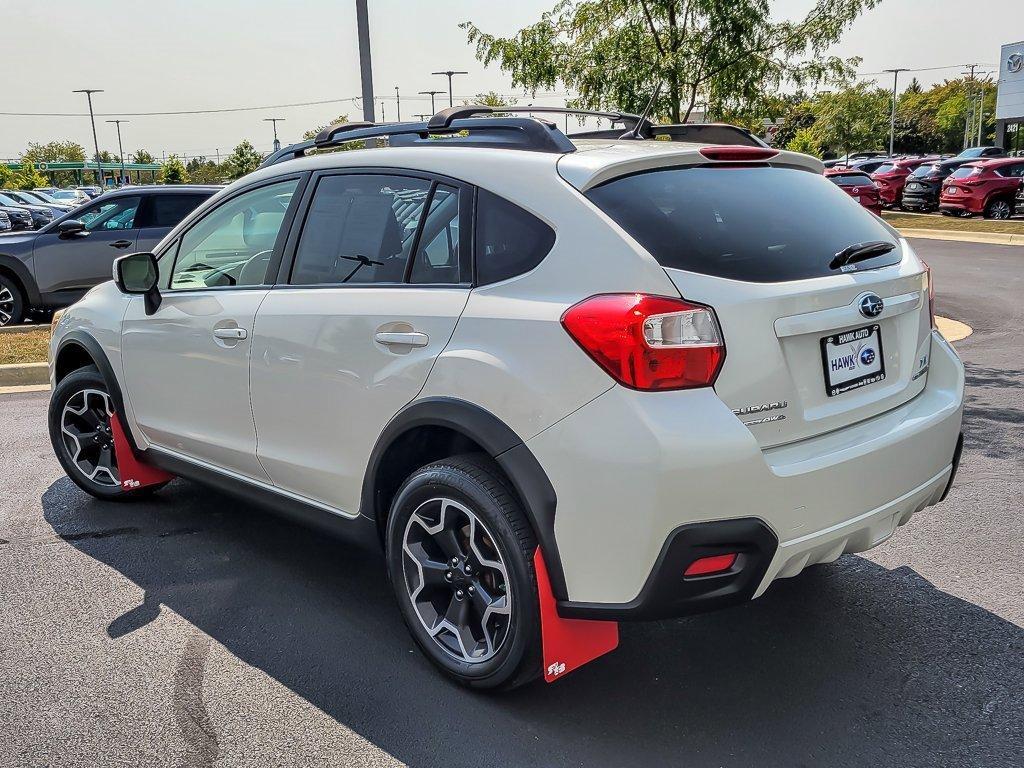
[130, 484]
[555, 669]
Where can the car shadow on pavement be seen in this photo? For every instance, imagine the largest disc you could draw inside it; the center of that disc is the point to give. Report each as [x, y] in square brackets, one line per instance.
[850, 664]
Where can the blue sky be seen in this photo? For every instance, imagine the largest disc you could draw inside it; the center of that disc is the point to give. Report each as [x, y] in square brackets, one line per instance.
[186, 54]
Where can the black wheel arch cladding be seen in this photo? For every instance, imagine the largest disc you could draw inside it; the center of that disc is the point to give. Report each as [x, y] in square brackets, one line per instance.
[499, 441]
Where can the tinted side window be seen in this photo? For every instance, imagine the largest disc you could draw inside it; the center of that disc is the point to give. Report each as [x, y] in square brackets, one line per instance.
[168, 210]
[509, 241]
[232, 244]
[115, 214]
[437, 255]
[360, 229]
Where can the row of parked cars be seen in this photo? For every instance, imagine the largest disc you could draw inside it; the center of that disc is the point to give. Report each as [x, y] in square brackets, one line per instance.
[979, 181]
[22, 209]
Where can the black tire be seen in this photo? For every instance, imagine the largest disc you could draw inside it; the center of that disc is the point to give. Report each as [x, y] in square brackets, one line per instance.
[86, 387]
[999, 208]
[477, 484]
[12, 302]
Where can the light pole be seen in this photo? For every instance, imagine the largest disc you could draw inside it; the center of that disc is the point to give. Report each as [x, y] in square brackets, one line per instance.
[120, 147]
[450, 73]
[365, 70]
[275, 121]
[398, 106]
[892, 122]
[431, 94]
[96, 142]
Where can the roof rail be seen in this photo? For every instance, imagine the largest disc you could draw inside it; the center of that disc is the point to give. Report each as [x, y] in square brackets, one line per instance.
[444, 118]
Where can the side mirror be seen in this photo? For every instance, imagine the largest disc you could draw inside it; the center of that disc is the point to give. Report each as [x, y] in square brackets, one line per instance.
[137, 274]
[71, 228]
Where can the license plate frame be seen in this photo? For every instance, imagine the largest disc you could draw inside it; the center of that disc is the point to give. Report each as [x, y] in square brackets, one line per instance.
[874, 332]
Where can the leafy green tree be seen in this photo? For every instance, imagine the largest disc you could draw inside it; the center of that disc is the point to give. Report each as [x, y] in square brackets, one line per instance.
[28, 177]
[142, 157]
[173, 171]
[6, 174]
[727, 54]
[851, 119]
[56, 152]
[493, 99]
[803, 141]
[204, 171]
[242, 160]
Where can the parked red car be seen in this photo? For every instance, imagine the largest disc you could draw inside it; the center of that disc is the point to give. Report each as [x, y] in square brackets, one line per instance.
[988, 187]
[891, 176]
[857, 185]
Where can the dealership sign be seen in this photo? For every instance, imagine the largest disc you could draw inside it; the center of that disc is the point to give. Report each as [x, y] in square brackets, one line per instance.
[1010, 99]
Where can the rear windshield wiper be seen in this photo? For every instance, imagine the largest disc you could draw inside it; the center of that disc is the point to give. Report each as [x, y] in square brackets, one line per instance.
[851, 254]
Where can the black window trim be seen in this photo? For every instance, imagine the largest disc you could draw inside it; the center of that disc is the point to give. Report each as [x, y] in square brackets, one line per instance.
[467, 196]
[173, 245]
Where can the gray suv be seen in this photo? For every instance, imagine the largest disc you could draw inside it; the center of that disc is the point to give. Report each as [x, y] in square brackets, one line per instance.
[54, 267]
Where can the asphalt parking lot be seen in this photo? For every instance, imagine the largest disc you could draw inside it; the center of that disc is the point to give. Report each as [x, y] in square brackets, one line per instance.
[195, 630]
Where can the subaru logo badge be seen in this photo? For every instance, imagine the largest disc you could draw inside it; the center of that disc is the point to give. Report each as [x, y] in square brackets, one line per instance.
[871, 305]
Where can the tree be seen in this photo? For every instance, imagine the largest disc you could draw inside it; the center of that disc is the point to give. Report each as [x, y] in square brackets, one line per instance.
[851, 119]
[803, 141]
[173, 171]
[493, 99]
[204, 171]
[724, 54]
[28, 177]
[242, 160]
[142, 157]
[56, 152]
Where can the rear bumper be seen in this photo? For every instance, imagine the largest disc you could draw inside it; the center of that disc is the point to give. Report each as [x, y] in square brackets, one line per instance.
[921, 201]
[963, 203]
[631, 470]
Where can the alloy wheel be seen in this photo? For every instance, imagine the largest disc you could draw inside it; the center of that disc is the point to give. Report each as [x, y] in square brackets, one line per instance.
[456, 580]
[6, 305]
[85, 430]
[1000, 210]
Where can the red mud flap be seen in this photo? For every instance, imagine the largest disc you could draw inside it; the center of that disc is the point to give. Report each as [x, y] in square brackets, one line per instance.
[568, 643]
[134, 474]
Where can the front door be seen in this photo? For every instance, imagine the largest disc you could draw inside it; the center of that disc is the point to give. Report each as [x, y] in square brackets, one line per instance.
[69, 265]
[187, 365]
[373, 297]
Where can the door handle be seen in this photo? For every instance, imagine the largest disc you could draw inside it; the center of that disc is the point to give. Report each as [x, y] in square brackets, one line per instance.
[234, 334]
[121, 244]
[408, 339]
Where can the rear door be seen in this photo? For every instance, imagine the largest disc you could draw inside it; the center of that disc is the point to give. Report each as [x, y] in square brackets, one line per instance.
[808, 348]
[67, 266]
[379, 280]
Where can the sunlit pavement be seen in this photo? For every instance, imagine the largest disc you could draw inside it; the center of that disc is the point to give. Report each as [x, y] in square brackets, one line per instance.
[194, 630]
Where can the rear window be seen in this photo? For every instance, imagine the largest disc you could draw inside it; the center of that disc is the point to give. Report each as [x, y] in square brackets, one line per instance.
[850, 179]
[964, 172]
[762, 225]
[885, 168]
[926, 170]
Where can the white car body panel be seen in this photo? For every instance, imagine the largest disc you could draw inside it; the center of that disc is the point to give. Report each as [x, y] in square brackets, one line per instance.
[319, 372]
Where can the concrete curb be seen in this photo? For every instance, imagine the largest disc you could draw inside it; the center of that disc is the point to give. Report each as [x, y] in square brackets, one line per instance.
[24, 374]
[989, 238]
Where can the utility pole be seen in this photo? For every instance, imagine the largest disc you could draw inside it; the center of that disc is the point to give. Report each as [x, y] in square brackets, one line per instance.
[96, 142]
[398, 105]
[969, 123]
[892, 120]
[120, 148]
[275, 121]
[450, 73]
[218, 155]
[365, 70]
[431, 94]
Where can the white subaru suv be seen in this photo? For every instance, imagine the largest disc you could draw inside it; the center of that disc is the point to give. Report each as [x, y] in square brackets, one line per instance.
[562, 381]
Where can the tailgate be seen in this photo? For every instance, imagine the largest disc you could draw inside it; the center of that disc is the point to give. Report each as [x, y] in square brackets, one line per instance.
[774, 376]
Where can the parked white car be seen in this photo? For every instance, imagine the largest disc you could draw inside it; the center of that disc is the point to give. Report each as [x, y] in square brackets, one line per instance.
[558, 380]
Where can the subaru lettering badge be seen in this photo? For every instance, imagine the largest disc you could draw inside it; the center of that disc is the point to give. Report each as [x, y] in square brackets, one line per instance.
[871, 305]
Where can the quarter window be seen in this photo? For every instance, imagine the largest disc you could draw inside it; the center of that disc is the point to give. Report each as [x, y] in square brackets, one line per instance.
[168, 210]
[233, 244]
[360, 229]
[509, 241]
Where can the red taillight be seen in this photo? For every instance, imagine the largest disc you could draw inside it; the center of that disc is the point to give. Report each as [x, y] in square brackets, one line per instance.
[705, 566]
[648, 342]
[931, 291]
[738, 154]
